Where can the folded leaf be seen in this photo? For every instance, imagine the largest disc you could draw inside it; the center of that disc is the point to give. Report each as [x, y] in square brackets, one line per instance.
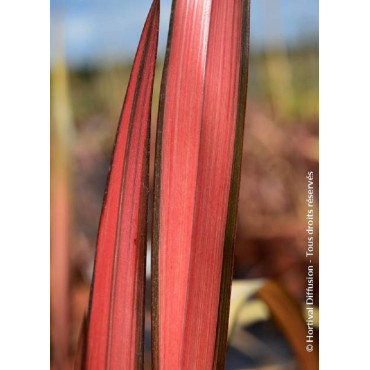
[197, 176]
[116, 312]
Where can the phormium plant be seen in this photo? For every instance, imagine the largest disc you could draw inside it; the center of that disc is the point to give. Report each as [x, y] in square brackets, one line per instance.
[197, 175]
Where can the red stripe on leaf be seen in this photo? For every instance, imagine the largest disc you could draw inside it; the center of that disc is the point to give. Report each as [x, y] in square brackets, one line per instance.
[199, 142]
[115, 335]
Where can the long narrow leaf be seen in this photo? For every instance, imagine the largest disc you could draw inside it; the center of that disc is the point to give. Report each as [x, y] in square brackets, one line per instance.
[197, 175]
[80, 359]
[61, 211]
[115, 329]
[288, 316]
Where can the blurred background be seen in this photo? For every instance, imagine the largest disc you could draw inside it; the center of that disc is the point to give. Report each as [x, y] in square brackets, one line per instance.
[92, 47]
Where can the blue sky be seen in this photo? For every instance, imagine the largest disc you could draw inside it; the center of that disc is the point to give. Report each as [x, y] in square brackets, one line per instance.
[96, 31]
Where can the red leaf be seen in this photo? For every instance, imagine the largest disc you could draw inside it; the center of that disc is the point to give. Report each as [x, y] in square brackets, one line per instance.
[197, 176]
[115, 330]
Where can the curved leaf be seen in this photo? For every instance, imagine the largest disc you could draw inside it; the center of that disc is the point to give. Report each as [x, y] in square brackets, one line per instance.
[116, 312]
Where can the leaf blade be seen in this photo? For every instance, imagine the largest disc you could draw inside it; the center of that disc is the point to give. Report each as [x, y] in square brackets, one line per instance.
[287, 314]
[116, 310]
[197, 181]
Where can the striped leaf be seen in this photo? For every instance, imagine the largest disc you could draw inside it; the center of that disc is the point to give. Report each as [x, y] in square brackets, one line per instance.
[116, 312]
[197, 176]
